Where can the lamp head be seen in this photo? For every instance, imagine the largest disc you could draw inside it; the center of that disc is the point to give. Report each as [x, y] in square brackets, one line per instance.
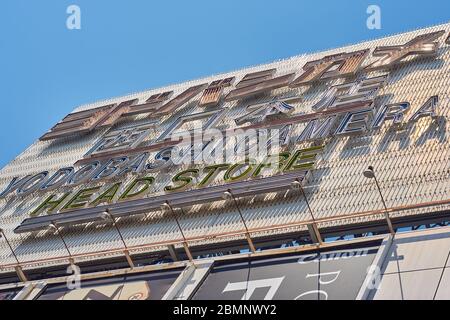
[106, 215]
[295, 185]
[165, 207]
[52, 227]
[369, 173]
[227, 195]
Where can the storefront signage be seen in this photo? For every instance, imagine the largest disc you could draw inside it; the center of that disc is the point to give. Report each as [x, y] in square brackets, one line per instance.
[332, 275]
[344, 109]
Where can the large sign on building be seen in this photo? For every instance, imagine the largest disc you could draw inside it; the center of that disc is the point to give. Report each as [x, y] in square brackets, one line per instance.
[315, 276]
[318, 119]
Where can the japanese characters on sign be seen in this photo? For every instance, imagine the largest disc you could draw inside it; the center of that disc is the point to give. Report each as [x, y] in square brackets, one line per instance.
[346, 108]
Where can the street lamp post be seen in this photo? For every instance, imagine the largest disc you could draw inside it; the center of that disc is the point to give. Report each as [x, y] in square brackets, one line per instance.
[52, 226]
[297, 185]
[18, 267]
[167, 207]
[228, 195]
[370, 174]
[108, 216]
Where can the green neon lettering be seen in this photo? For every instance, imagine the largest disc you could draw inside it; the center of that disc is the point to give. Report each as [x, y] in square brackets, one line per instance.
[303, 159]
[107, 196]
[229, 175]
[81, 198]
[142, 184]
[213, 171]
[270, 161]
[49, 204]
[184, 178]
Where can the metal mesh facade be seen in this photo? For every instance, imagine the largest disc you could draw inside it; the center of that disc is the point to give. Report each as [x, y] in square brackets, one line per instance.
[412, 162]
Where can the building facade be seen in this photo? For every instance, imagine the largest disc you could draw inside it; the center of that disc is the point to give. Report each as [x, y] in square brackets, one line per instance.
[304, 171]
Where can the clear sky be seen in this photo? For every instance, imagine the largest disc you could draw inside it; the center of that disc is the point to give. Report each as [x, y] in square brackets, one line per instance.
[46, 70]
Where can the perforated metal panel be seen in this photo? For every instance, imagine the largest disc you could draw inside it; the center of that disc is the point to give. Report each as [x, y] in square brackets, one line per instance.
[412, 163]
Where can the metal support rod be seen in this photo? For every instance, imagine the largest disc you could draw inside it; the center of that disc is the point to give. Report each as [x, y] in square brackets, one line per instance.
[247, 233]
[370, 174]
[188, 252]
[125, 251]
[21, 274]
[172, 252]
[10, 247]
[386, 214]
[56, 229]
[128, 257]
[18, 268]
[185, 243]
[315, 228]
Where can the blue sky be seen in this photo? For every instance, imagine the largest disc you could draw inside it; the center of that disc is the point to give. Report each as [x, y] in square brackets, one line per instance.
[47, 70]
